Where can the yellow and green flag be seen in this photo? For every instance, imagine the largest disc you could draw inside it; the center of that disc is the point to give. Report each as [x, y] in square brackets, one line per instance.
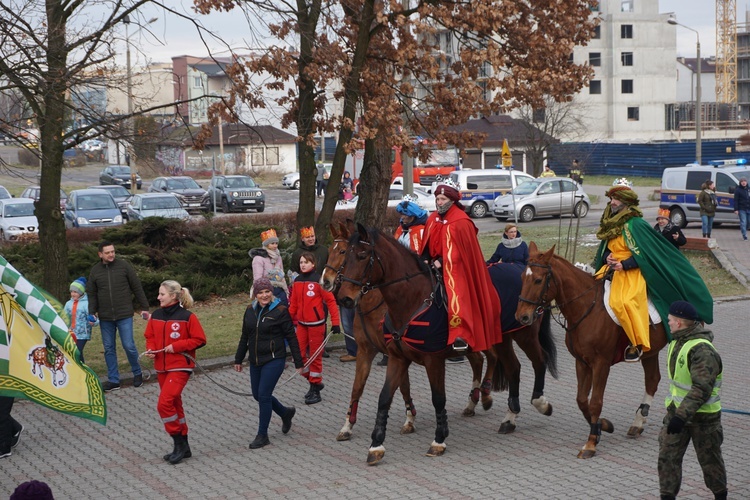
[39, 360]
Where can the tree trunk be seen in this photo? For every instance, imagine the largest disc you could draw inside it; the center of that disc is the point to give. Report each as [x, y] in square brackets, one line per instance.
[374, 184]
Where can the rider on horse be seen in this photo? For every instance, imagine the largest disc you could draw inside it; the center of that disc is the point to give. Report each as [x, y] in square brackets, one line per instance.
[410, 230]
[641, 264]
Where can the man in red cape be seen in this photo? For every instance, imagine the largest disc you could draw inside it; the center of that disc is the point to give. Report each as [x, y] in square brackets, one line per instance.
[450, 243]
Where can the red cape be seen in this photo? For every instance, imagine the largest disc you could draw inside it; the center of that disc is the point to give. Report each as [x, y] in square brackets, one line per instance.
[415, 237]
[473, 304]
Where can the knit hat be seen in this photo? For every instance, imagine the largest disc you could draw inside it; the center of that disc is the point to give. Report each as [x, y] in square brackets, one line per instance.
[306, 232]
[38, 490]
[268, 237]
[262, 284]
[623, 194]
[449, 190]
[684, 310]
[662, 214]
[79, 285]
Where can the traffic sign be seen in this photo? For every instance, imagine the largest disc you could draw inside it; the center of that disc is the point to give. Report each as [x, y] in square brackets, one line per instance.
[507, 157]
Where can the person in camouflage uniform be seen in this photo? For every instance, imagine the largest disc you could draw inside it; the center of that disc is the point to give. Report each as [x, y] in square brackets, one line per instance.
[693, 404]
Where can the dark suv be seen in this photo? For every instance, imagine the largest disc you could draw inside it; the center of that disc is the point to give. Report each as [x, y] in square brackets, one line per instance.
[191, 195]
[235, 193]
[118, 174]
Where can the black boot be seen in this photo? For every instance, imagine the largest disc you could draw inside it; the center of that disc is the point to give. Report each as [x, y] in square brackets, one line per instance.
[259, 442]
[310, 391]
[188, 453]
[286, 420]
[315, 396]
[174, 450]
[181, 447]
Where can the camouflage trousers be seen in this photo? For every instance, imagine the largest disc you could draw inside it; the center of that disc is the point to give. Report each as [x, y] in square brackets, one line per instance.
[707, 438]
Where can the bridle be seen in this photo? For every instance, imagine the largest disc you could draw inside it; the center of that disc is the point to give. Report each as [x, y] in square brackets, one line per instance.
[337, 279]
[542, 302]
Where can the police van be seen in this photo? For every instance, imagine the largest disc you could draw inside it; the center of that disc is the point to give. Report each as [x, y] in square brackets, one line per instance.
[680, 187]
[479, 188]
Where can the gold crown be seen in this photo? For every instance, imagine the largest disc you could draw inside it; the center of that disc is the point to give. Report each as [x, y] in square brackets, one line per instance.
[663, 212]
[306, 232]
[271, 233]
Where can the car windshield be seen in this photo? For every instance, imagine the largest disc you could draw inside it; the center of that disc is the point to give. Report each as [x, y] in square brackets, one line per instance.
[121, 170]
[240, 182]
[186, 183]
[526, 188]
[19, 210]
[421, 192]
[160, 203]
[95, 202]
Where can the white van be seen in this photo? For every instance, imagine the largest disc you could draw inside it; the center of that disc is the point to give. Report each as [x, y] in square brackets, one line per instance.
[479, 188]
[680, 187]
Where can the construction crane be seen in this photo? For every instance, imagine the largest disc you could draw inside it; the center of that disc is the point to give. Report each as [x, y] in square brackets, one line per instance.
[726, 51]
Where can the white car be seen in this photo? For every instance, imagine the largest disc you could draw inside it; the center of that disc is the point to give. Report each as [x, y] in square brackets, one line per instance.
[291, 180]
[17, 219]
[395, 196]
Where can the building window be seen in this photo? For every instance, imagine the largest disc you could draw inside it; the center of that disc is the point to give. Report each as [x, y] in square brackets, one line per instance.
[272, 156]
[570, 58]
[257, 158]
[198, 82]
[626, 58]
[539, 115]
[626, 6]
[595, 87]
[627, 86]
[595, 58]
[633, 114]
[597, 33]
[626, 31]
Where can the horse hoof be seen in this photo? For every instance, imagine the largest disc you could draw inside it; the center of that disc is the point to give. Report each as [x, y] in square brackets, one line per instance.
[549, 411]
[586, 454]
[436, 450]
[506, 428]
[408, 429]
[634, 432]
[607, 426]
[344, 436]
[487, 404]
[468, 412]
[375, 455]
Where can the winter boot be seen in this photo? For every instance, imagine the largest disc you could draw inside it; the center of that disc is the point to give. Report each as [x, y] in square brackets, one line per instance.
[315, 396]
[310, 391]
[259, 442]
[286, 420]
[181, 447]
[188, 453]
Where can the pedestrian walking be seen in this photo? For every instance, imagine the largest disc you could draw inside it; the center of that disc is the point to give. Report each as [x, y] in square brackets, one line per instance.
[693, 404]
[171, 332]
[10, 428]
[742, 206]
[77, 308]
[110, 288]
[707, 202]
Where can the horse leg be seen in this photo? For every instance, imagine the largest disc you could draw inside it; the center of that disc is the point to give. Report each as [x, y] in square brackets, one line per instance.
[652, 377]
[436, 374]
[477, 362]
[486, 387]
[507, 375]
[533, 349]
[397, 366]
[411, 411]
[597, 380]
[365, 355]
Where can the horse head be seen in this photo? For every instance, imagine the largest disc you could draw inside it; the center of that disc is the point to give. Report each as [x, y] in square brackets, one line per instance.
[536, 283]
[331, 276]
[362, 267]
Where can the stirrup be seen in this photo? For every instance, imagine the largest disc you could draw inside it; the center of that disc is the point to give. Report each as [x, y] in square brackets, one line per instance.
[629, 351]
[460, 345]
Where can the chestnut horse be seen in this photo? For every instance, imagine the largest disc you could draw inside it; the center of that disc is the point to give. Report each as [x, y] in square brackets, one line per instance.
[592, 337]
[406, 286]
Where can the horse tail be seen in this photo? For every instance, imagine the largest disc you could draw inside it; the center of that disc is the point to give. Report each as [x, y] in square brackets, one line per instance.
[547, 341]
[499, 380]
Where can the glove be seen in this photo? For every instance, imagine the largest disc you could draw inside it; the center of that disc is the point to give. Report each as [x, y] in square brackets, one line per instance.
[675, 425]
[335, 329]
[92, 318]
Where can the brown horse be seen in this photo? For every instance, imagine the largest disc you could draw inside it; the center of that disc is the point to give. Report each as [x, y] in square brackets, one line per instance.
[52, 358]
[592, 337]
[406, 286]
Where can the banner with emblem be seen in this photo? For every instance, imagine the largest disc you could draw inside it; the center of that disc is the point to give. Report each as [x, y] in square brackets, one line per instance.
[39, 360]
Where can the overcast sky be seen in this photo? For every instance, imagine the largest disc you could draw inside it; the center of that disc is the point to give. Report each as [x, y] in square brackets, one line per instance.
[181, 38]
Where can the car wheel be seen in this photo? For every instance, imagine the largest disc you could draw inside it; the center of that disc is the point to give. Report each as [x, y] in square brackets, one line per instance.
[260, 210]
[225, 206]
[581, 210]
[677, 216]
[478, 210]
[526, 214]
[296, 185]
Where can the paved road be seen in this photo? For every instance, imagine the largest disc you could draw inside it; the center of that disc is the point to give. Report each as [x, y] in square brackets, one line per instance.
[80, 459]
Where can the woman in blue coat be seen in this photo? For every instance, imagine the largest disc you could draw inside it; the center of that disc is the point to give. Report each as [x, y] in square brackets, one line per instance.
[512, 249]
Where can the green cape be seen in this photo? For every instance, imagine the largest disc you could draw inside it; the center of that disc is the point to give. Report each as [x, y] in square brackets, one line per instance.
[669, 275]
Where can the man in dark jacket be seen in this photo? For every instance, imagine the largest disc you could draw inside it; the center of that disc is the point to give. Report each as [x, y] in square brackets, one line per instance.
[742, 206]
[309, 243]
[111, 286]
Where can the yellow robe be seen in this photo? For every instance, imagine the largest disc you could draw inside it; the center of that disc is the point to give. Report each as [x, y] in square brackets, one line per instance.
[628, 297]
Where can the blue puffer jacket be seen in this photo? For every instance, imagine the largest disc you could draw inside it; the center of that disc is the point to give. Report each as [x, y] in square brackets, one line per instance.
[80, 324]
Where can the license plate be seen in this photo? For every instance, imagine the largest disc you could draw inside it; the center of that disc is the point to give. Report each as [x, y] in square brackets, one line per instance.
[194, 204]
[249, 202]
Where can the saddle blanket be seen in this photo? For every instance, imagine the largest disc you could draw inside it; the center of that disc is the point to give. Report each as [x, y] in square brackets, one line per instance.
[653, 314]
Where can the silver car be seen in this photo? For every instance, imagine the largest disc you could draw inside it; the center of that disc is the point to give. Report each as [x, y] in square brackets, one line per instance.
[550, 196]
[156, 205]
[17, 219]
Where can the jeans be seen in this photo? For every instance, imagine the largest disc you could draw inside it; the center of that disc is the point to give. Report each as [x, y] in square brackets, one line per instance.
[707, 222]
[80, 344]
[125, 327]
[347, 325]
[744, 221]
[263, 380]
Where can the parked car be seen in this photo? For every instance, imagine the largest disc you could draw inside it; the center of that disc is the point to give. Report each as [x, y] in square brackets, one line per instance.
[156, 205]
[395, 196]
[544, 196]
[4, 193]
[235, 192]
[91, 208]
[291, 180]
[33, 193]
[479, 188]
[118, 174]
[121, 195]
[191, 195]
[17, 219]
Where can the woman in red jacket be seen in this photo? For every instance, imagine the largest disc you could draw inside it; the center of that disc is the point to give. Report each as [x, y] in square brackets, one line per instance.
[171, 331]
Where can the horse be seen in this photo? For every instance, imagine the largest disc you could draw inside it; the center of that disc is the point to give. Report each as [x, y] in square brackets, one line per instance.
[592, 337]
[51, 357]
[406, 286]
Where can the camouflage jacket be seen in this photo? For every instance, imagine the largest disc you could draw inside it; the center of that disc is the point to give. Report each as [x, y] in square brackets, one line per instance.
[704, 364]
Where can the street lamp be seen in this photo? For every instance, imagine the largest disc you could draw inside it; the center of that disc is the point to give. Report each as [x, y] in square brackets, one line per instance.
[131, 129]
[698, 150]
